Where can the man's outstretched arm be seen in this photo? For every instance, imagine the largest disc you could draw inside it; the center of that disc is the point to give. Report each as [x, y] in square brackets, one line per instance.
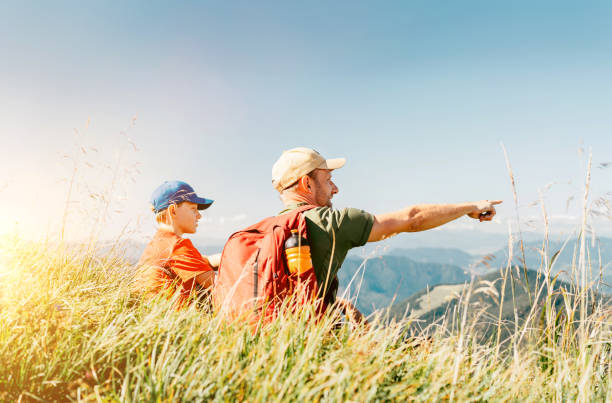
[422, 217]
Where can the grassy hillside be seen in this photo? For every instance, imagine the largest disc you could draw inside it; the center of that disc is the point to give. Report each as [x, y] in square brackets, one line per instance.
[70, 329]
[512, 301]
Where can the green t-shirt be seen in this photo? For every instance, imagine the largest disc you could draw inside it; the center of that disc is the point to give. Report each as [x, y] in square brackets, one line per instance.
[331, 233]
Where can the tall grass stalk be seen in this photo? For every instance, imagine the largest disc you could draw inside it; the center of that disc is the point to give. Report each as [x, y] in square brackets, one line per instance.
[582, 263]
[518, 219]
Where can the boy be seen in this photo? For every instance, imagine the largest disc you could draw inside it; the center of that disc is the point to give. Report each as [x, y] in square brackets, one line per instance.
[170, 262]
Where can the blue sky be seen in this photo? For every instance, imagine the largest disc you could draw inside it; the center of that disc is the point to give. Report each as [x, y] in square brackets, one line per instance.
[418, 96]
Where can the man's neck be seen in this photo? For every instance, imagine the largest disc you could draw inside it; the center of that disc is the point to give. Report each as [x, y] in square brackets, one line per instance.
[291, 198]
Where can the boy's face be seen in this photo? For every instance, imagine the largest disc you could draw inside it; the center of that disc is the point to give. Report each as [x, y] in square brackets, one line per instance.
[186, 217]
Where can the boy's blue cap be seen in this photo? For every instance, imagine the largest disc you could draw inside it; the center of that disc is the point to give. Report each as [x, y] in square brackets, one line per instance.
[175, 192]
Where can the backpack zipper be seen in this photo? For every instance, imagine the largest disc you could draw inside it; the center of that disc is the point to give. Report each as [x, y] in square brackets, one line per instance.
[255, 277]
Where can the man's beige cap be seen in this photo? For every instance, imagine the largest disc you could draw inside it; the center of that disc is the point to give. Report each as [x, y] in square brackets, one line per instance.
[297, 162]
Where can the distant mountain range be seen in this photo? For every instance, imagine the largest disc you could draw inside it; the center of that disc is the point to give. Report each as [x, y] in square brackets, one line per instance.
[378, 281]
[599, 256]
[448, 256]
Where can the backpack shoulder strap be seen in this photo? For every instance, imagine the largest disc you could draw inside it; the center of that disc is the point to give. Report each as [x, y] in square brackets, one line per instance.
[293, 219]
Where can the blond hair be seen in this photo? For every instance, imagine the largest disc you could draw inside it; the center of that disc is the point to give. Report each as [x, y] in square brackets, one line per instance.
[163, 217]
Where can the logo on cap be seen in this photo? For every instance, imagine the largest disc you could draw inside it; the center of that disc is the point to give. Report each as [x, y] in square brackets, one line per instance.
[175, 192]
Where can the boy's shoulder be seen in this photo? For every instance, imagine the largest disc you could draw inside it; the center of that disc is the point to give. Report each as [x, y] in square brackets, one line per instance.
[160, 247]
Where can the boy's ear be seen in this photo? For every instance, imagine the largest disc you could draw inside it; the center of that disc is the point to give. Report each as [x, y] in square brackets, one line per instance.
[172, 209]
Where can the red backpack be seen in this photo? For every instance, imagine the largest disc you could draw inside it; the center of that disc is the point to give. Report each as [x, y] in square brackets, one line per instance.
[253, 274]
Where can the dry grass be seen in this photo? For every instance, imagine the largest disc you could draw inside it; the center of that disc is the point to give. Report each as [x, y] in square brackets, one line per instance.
[71, 330]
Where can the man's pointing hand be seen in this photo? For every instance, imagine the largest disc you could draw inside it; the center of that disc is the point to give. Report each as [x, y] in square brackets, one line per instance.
[421, 217]
[484, 210]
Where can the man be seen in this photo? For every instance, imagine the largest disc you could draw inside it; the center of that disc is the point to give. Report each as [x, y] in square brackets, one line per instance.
[302, 176]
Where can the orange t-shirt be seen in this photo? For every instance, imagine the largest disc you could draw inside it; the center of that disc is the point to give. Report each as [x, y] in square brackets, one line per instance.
[170, 262]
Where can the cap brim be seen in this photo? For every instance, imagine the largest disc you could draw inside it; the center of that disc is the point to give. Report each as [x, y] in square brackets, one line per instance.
[203, 203]
[333, 163]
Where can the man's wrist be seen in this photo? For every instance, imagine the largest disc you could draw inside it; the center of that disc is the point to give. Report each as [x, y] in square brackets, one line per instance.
[468, 208]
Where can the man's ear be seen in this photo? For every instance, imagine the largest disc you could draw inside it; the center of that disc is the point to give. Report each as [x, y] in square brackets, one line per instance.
[304, 184]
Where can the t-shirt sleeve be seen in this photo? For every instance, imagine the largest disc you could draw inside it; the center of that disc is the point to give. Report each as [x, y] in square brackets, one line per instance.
[186, 261]
[354, 226]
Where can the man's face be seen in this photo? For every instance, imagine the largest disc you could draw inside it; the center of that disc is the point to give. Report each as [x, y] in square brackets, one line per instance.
[322, 187]
[187, 216]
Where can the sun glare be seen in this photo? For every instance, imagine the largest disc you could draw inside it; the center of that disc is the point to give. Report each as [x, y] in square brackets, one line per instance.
[4, 268]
